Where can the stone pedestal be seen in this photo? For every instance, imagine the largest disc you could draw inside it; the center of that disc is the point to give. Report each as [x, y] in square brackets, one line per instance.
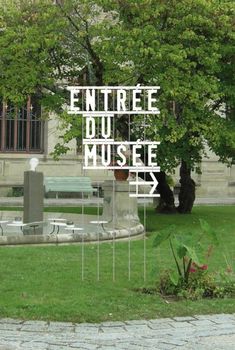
[33, 200]
[120, 210]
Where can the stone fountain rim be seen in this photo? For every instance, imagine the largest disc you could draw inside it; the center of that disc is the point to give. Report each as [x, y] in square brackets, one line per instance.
[106, 236]
[86, 237]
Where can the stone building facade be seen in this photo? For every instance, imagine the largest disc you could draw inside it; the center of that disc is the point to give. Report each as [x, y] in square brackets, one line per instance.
[18, 131]
[24, 135]
[216, 179]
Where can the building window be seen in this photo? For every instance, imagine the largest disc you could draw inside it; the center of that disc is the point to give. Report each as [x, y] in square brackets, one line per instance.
[21, 128]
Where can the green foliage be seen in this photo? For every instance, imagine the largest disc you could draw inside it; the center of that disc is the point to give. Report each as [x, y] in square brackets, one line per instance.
[201, 284]
[191, 278]
[186, 47]
[164, 235]
[184, 249]
[71, 127]
[59, 150]
[29, 39]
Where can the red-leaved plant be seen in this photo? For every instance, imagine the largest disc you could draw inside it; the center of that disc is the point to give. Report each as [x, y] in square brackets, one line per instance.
[185, 249]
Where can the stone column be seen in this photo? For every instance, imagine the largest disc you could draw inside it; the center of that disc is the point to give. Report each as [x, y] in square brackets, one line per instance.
[33, 200]
[120, 210]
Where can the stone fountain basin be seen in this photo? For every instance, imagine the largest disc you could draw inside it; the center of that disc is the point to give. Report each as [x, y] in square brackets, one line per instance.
[91, 233]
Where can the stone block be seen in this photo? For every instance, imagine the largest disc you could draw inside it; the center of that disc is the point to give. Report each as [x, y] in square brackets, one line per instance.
[33, 200]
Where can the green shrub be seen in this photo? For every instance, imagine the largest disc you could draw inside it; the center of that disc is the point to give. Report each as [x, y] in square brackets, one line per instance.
[191, 279]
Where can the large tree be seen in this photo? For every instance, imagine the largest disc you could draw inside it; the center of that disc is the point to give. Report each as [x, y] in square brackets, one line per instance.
[183, 46]
[186, 48]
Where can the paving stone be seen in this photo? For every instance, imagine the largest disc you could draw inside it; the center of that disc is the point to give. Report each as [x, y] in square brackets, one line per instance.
[61, 324]
[40, 323]
[163, 326]
[224, 325]
[82, 345]
[34, 327]
[181, 333]
[136, 328]
[221, 317]
[9, 347]
[157, 337]
[200, 323]
[209, 333]
[221, 320]
[113, 336]
[184, 319]
[57, 347]
[34, 345]
[11, 321]
[164, 346]
[213, 343]
[113, 324]
[112, 330]
[137, 322]
[148, 343]
[186, 333]
[131, 347]
[63, 336]
[86, 330]
[175, 341]
[224, 316]
[116, 337]
[130, 339]
[10, 326]
[202, 317]
[185, 325]
[59, 329]
[10, 335]
[228, 331]
[87, 324]
[161, 320]
[27, 337]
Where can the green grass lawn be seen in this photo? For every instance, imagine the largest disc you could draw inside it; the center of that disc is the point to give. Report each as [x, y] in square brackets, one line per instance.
[45, 282]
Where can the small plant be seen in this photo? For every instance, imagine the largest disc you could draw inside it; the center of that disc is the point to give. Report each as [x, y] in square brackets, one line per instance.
[16, 192]
[190, 279]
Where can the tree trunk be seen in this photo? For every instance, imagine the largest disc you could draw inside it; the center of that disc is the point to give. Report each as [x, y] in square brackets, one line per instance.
[167, 202]
[187, 190]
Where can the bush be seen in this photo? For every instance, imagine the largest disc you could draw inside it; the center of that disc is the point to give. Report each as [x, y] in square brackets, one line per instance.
[201, 284]
[190, 279]
[16, 192]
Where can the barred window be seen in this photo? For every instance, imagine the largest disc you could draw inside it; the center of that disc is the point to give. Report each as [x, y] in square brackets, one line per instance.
[21, 128]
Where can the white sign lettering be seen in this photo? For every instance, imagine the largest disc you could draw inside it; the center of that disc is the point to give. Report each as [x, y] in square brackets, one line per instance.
[99, 105]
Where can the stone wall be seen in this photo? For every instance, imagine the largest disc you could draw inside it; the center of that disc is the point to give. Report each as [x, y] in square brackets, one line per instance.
[216, 179]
